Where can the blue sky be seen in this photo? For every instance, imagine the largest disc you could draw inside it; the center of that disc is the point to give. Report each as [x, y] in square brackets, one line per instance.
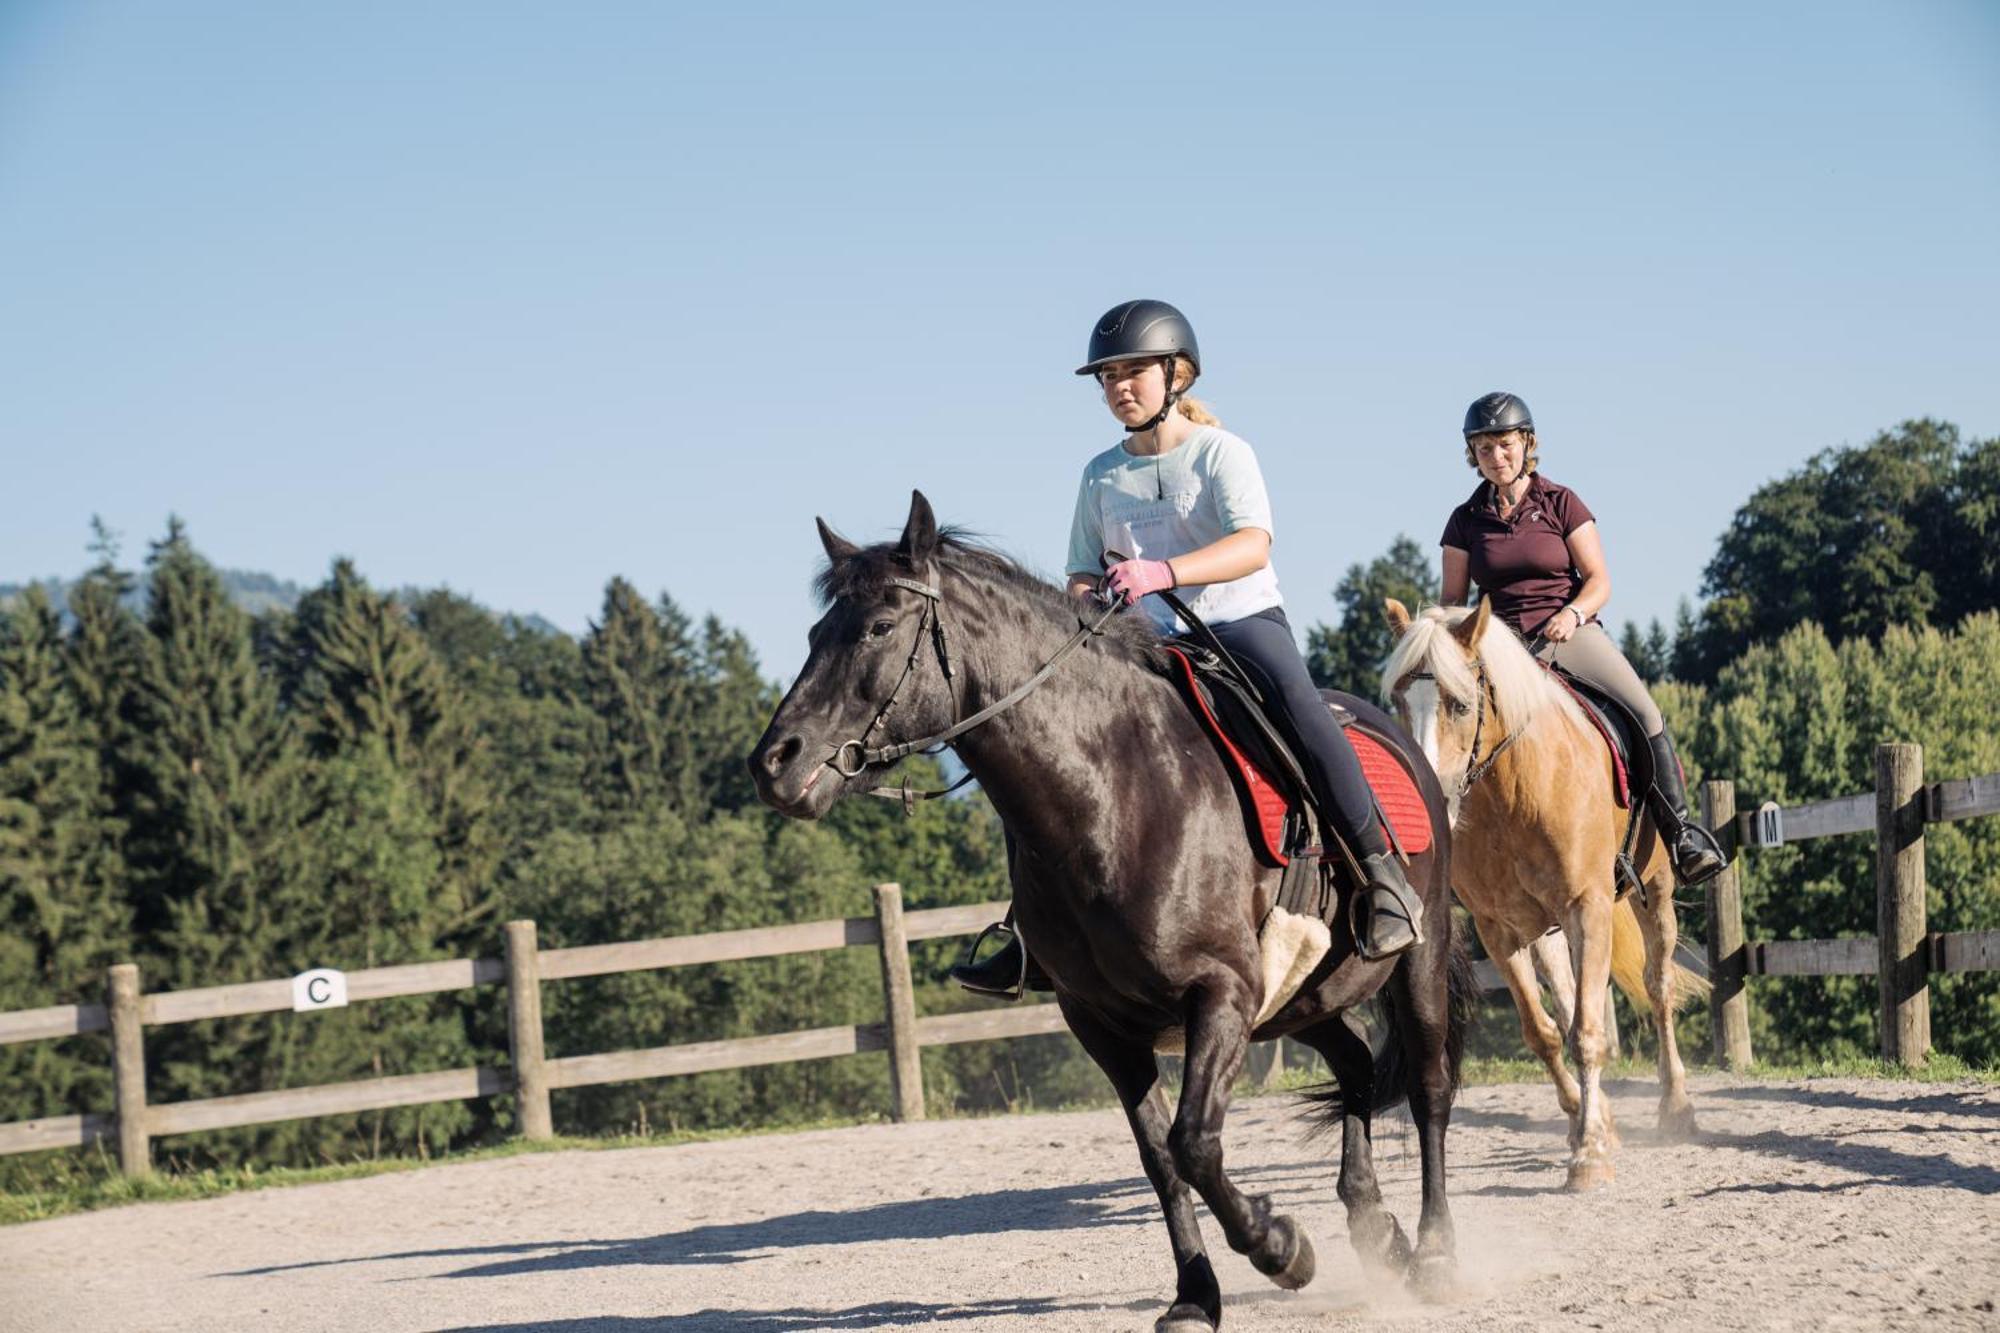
[515, 298]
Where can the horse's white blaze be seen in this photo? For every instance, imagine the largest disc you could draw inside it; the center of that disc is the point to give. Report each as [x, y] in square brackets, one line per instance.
[1421, 699]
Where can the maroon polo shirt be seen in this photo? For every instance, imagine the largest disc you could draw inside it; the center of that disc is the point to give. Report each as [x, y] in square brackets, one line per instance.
[1521, 561]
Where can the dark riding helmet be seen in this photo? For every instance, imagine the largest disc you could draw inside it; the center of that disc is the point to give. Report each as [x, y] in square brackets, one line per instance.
[1497, 413]
[1139, 329]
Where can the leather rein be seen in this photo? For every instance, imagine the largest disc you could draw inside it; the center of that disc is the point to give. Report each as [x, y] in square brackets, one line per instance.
[931, 626]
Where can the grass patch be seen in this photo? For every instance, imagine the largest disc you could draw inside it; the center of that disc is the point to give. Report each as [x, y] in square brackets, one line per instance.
[1940, 1068]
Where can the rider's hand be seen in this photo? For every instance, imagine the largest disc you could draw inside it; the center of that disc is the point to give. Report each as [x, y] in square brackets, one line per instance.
[1563, 625]
[1133, 579]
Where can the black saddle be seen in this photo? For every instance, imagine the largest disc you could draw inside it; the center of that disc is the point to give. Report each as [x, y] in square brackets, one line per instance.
[1238, 704]
[1621, 731]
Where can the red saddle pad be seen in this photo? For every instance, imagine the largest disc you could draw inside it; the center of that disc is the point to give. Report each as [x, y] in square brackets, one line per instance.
[1395, 791]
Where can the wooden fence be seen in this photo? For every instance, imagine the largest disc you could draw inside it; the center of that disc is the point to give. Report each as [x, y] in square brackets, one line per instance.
[1904, 957]
[531, 1074]
[1903, 952]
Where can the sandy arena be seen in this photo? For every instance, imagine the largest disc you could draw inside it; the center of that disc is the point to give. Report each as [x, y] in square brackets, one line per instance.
[1825, 1205]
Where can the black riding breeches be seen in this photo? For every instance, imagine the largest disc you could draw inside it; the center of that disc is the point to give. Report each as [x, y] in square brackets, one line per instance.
[1263, 643]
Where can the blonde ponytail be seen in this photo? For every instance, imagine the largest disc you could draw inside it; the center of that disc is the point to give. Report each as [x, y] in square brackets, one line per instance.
[1192, 408]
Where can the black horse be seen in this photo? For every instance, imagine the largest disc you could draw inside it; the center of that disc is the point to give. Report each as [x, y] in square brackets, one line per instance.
[1134, 880]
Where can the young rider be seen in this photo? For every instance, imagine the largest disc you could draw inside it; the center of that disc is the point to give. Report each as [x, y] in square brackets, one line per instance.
[1180, 505]
[1532, 546]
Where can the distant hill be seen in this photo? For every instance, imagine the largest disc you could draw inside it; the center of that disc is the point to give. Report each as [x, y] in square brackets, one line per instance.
[254, 592]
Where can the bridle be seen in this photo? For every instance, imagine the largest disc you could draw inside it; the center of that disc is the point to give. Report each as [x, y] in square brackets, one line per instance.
[931, 625]
[1475, 767]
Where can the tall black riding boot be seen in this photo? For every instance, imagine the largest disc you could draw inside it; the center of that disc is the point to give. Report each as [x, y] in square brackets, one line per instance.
[1394, 913]
[1698, 857]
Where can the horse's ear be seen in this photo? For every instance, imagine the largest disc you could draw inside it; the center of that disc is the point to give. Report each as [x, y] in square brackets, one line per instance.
[838, 548]
[1471, 631]
[1399, 616]
[920, 534]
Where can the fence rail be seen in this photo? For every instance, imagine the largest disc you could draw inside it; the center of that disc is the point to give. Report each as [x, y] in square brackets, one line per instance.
[1903, 955]
[530, 1075]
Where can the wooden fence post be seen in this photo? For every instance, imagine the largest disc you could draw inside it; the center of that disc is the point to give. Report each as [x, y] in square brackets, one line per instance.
[524, 1031]
[128, 1070]
[1272, 1070]
[1729, 1000]
[1901, 925]
[906, 1070]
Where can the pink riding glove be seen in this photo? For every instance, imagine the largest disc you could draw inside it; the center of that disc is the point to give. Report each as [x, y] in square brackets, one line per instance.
[1133, 579]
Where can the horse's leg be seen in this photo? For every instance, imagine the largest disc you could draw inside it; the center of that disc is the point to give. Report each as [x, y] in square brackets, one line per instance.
[1589, 931]
[1218, 1035]
[1661, 931]
[1553, 964]
[1421, 992]
[1543, 1037]
[1135, 1074]
[1373, 1231]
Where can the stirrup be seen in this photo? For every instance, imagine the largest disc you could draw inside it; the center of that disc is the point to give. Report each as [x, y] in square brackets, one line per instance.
[966, 973]
[1707, 843]
[1408, 906]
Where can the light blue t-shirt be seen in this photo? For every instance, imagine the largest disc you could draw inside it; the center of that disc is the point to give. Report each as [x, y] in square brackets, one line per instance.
[1156, 508]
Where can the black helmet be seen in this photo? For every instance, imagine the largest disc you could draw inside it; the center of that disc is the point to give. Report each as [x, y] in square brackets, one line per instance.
[1497, 413]
[1140, 329]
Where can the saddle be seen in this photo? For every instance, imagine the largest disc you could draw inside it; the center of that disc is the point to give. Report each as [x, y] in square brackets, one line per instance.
[1631, 756]
[1632, 775]
[1277, 801]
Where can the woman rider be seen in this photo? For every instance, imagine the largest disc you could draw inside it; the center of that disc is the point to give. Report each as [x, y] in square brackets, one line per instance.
[1532, 546]
[1180, 505]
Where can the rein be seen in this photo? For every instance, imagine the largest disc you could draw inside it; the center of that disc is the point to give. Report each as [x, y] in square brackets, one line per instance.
[932, 621]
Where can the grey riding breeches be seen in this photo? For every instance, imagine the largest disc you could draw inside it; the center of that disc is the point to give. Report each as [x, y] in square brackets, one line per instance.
[1591, 655]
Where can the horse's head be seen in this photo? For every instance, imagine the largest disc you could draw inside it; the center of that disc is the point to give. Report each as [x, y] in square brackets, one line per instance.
[1466, 687]
[875, 674]
[1436, 682]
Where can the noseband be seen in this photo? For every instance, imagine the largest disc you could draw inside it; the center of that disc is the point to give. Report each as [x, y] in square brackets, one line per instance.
[931, 625]
[1475, 767]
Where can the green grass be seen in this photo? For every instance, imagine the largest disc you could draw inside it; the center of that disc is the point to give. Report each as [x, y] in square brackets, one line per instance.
[61, 1183]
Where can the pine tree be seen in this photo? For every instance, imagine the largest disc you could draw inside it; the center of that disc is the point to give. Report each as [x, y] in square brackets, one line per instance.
[217, 776]
[103, 658]
[1350, 657]
[1633, 645]
[365, 676]
[738, 706]
[641, 676]
[62, 916]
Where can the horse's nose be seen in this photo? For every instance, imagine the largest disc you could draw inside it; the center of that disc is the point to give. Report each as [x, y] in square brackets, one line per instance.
[775, 758]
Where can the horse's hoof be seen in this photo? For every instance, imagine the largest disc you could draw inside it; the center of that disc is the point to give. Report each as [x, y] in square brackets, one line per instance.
[1184, 1318]
[1435, 1278]
[1381, 1242]
[1587, 1176]
[1287, 1257]
[1677, 1124]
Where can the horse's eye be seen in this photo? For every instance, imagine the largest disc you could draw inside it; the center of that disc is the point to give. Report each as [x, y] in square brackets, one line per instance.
[1458, 707]
[880, 627]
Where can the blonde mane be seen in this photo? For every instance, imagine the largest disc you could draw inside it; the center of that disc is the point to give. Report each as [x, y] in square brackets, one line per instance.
[1522, 690]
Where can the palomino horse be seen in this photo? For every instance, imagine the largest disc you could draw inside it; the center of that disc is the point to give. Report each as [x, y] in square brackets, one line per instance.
[1538, 831]
[1134, 881]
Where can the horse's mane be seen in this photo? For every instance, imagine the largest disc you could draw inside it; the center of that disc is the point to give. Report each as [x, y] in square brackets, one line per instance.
[1522, 690]
[870, 567]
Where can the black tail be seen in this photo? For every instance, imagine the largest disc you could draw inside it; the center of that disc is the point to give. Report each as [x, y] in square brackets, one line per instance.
[1384, 1031]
